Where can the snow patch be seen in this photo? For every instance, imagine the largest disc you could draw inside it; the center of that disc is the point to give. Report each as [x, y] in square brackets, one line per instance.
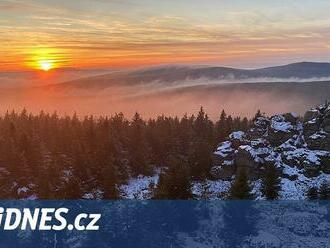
[223, 149]
[140, 187]
[238, 135]
[278, 124]
[216, 189]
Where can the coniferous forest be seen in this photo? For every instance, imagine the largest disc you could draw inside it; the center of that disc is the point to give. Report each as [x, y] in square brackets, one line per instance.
[63, 157]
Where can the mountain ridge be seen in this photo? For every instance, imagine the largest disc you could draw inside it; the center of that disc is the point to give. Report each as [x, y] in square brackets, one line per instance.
[174, 74]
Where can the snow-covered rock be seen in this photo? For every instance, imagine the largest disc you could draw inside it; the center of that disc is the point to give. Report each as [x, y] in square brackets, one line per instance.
[238, 135]
[300, 149]
[224, 149]
[279, 124]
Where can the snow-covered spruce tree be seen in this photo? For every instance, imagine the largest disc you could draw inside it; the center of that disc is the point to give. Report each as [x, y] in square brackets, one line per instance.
[110, 180]
[175, 182]
[271, 183]
[221, 127]
[200, 160]
[240, 188]
[161, 189]
[138, 148]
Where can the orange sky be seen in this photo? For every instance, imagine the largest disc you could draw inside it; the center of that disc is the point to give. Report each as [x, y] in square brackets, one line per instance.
[99, 33]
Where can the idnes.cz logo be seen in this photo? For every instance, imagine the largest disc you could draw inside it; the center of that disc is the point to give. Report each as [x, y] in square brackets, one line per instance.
[46, 219]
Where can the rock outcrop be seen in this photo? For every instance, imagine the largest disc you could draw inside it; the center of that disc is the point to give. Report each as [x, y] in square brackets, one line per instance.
[296, 146]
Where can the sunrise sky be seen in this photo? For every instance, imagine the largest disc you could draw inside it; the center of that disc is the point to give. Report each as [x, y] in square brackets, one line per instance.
[51, 34]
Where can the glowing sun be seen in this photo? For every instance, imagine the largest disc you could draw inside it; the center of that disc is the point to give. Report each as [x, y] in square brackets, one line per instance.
[45, 65]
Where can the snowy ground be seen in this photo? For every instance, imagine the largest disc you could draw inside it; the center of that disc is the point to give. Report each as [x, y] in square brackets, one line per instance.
[141, 187]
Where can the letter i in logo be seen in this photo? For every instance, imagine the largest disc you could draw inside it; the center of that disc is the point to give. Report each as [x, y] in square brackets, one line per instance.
[1, 214]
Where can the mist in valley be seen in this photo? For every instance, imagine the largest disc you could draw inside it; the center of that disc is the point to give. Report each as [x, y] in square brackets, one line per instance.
[150, 99]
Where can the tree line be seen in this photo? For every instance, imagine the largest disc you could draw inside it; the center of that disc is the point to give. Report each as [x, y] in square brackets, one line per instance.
[63, 157]
[48, 156]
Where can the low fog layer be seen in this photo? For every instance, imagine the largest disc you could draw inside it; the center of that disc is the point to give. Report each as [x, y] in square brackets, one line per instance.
[180, 90]
[237, 98]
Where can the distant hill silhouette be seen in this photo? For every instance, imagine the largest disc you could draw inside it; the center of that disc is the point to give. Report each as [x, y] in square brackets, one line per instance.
[303, 70]
[172, 74]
